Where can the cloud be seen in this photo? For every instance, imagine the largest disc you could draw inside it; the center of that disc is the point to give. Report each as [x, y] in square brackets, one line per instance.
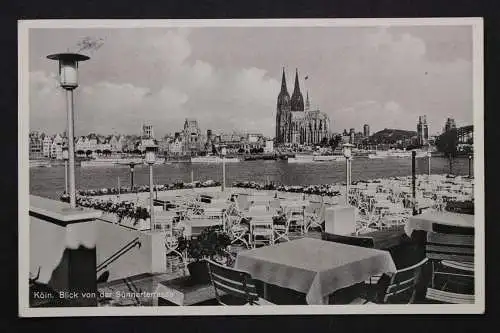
[391, 114]
[229, 78]
[393, 70]
[221, 99]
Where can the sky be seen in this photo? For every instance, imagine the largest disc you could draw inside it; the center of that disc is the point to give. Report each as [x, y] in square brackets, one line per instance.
[228, 78]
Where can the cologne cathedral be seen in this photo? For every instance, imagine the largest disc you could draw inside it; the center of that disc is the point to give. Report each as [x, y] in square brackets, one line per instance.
[296, 123]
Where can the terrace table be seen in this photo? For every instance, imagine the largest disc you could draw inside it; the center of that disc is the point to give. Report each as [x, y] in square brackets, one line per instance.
[428, 220]
[314, 267]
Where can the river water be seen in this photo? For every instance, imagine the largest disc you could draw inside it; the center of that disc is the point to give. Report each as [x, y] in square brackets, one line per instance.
[49, 182]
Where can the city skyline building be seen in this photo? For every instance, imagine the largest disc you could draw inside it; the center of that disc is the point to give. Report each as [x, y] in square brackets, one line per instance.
[147, 131]
[366, 130]
[422, 131]
[191, 137]
[450, 124]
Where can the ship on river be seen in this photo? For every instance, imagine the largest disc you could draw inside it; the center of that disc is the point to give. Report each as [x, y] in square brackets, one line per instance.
[106, 162]
[312, 158]
[214, 159]
[396, 153]
[40, 164]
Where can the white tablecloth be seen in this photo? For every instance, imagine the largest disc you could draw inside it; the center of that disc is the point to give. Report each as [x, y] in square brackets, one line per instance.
[426, 221]
[314, 267]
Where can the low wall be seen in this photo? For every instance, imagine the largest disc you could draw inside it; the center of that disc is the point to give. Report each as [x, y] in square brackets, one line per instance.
[149, 257]
[62, 249]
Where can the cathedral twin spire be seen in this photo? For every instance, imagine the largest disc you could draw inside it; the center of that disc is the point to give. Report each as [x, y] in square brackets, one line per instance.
[296, 102]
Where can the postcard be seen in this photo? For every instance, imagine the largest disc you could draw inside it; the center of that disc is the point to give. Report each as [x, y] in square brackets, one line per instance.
[244, 167]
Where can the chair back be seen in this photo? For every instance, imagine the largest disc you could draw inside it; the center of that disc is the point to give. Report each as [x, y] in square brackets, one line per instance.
[226, 280]
[349, 240]
[275, 204]
[453, 247]
[258, 209]
[242, 202]
[401, 287]
[451, 229]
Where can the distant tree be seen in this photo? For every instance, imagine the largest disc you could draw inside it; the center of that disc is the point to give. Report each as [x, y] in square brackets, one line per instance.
[335, 141]
[447, 144]
[324, 142]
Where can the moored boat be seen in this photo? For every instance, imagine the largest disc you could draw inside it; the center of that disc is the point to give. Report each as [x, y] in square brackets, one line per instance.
[304, 158]
[40, 164]
[214, 159]
[106, 162]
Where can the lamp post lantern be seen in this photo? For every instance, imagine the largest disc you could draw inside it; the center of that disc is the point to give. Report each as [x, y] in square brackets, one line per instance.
[223, 153]
[347, 150]
[150, 159]
[65, 156]
[68, 79]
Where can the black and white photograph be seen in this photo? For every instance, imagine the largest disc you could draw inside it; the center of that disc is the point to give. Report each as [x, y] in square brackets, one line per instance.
[305, 166]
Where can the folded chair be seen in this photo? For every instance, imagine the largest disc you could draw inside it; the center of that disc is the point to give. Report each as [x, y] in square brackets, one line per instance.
[233, 287]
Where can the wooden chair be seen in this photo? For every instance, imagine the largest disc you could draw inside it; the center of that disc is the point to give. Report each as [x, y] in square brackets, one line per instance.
[349, 240]
[233, 287]
[442, 296]
[451, 256]
[448, 229]
[400, 289]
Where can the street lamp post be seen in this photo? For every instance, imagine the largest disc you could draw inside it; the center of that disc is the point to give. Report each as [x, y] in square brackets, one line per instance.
[414, 181]
[68, 76]
[223, 153]
[151, 159]
[470, 166]
[429, 155]
[132, 165]
[65, 155]
[347, 149]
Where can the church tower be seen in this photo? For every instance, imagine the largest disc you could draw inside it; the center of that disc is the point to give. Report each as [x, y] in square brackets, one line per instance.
[283, 115]
[297, 100]
[308, 104]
